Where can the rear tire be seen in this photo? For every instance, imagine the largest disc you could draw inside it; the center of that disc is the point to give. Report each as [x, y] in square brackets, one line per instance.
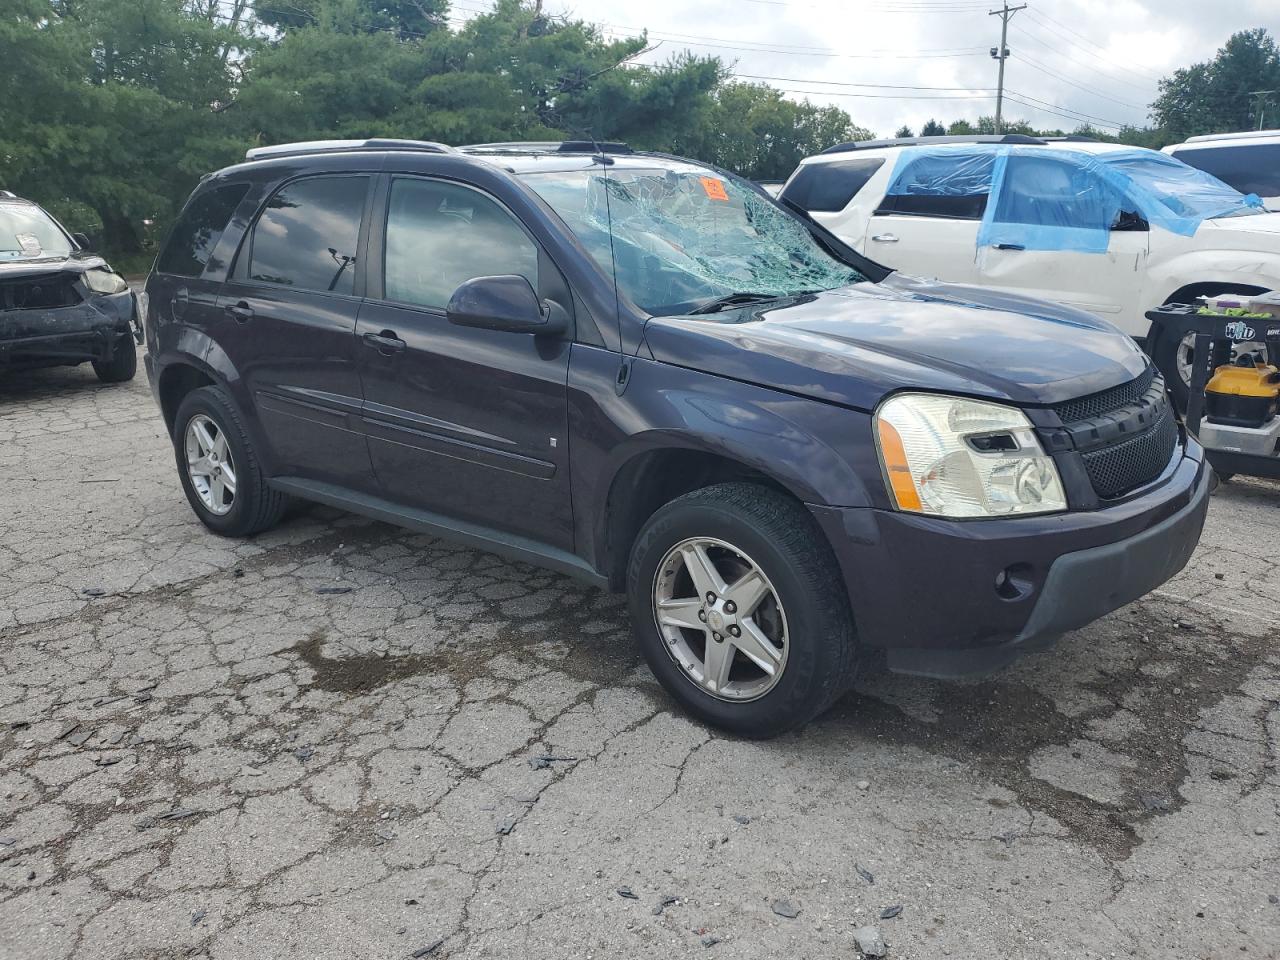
[251, 506]
[749, 531]
[123, 364]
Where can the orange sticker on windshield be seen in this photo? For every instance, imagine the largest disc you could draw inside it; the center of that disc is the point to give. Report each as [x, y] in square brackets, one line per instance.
[714, 188]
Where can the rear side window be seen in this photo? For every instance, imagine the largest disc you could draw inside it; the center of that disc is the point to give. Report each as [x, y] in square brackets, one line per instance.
[199, 229]
[1044, 191]
[306, 236]
[952, 186]
[1250, 169]
[828, 187]
[439, 235]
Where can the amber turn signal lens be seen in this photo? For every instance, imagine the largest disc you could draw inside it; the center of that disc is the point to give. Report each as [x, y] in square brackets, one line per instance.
[895, 464]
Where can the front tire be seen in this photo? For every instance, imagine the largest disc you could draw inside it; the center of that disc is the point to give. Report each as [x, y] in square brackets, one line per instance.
[739, 609]
[123, 364]
[219, 468]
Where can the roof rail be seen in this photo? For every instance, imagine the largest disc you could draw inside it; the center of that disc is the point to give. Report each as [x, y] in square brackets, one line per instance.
[550, 146]
[8, 195]
[928, 141]
[1242, 135]
[306, 147]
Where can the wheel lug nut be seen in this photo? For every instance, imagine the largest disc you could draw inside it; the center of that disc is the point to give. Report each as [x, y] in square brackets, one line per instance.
[711, 597]
[734, 631]
[730, 607]
[702, 615]
[717, 638]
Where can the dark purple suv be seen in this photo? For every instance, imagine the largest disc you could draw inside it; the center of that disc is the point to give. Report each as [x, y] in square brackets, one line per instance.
[645, 372]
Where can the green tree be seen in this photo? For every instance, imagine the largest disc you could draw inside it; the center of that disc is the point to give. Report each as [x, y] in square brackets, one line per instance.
[933, 129]
[1216, 96]
[115, 106]
[755, 131]
[904, 131]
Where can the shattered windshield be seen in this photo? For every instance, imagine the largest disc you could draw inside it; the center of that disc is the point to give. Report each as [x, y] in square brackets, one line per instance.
[28, 233]
[678, 237]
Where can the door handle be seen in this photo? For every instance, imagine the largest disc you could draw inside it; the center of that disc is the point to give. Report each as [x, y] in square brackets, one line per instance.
[885, 238]
[178, 303]
[1008, 246]
[242, 312]
[386, 342]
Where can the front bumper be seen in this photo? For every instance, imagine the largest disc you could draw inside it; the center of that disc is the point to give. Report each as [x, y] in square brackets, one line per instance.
[930, 593]
[92, 330]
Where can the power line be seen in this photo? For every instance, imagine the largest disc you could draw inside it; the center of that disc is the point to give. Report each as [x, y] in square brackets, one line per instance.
[1057, 76]
[1085, 66]
[841, 83]
[1057, 110]
[1038, 17]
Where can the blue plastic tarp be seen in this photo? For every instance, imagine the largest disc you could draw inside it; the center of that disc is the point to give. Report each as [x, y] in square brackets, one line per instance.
[1050, 198]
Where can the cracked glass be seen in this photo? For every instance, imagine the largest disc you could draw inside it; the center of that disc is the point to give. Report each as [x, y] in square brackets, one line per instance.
[675, 237]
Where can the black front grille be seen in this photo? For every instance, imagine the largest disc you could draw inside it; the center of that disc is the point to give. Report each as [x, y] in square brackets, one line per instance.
[1096, 404]
[1116, 469]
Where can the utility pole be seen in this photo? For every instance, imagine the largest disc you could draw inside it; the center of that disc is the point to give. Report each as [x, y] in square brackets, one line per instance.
[1263, 97]
[1001, 53]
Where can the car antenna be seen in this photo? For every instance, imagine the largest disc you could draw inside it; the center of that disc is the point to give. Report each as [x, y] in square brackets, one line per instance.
[624, 362]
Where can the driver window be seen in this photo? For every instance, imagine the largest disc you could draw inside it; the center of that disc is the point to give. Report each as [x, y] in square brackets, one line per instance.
[440, 235]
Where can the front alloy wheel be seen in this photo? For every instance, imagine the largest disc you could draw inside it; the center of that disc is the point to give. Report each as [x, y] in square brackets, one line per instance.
[721, 619]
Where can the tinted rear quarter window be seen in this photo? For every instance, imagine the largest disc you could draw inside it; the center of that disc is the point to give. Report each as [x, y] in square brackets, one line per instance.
[1251, 168]
[198, 230]
[306, 236]
[828, 187]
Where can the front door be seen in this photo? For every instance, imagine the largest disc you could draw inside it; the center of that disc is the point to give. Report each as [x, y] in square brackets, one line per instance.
[288, 319]
[463, 422]
[1060, 232]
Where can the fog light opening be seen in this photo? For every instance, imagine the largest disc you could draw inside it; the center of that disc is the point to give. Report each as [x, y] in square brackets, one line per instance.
[1014, 582]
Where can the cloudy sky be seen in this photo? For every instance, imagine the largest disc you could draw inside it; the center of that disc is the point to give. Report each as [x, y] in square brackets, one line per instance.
[896, 62]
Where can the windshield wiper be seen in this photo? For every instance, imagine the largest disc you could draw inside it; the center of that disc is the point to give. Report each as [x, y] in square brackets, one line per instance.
[716, 304]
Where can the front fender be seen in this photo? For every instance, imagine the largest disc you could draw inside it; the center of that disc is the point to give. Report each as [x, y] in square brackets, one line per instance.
[1234, 267]
[818, 451]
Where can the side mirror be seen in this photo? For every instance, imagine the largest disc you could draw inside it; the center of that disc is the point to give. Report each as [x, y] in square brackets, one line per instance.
[504, 303]
[82, 240]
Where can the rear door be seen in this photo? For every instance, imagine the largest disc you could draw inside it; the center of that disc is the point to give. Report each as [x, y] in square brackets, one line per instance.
[288, 318]
[467, 423]
[180, 289]
[1062, 233]
[927, 222]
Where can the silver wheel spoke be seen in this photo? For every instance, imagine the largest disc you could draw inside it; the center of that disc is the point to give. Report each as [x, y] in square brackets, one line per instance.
[706, 578]
[203, 436]
[716, 664]
[681, 613]
[747, 592]
[755, 645]
[220, 446]
[216, 492]
[228, 478]
[200, 467]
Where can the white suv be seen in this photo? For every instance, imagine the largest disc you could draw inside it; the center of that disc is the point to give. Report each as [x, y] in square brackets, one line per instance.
[1109, 229]
[1249, 161]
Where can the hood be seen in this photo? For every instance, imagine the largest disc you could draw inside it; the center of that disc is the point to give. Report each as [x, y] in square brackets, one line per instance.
[856, 344]
[1260, 232]
[35, 266]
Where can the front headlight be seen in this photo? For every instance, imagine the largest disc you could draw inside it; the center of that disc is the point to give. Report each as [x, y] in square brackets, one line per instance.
[104, 281]
[953, 457]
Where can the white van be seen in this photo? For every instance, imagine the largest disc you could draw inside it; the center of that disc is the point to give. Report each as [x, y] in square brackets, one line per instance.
[1249, 161]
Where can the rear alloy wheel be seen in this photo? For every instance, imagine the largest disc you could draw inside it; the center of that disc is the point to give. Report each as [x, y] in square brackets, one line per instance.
[219, 468]
[209, 465]
[740, 610]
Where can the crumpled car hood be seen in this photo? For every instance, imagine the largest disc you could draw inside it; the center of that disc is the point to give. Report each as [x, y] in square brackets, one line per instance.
[36, 266]
[856, 344]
